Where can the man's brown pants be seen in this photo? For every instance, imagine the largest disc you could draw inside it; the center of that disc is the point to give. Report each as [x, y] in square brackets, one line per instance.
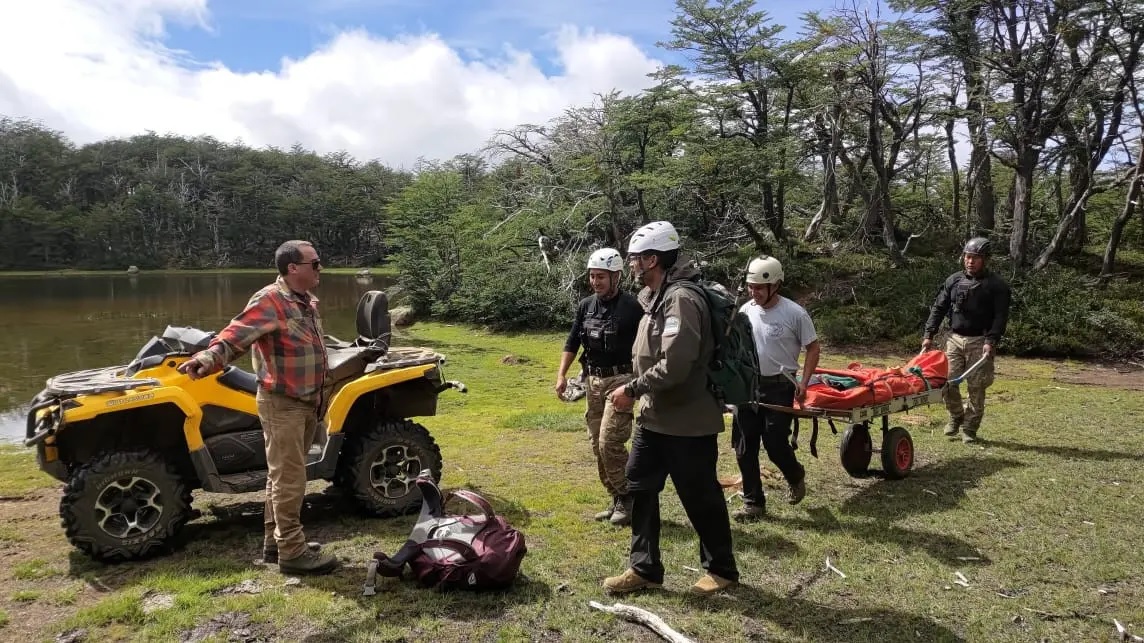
[288, 427]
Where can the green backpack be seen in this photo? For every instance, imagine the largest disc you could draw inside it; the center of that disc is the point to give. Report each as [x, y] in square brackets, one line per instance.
[733, 373]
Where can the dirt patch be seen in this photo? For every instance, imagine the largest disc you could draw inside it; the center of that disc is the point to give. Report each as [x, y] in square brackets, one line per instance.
[232, 626]
[72, 636]
[1127, 377]
[40, 504]
[156, 602]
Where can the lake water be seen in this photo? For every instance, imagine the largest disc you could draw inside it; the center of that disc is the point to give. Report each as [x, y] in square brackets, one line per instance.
[52, 324]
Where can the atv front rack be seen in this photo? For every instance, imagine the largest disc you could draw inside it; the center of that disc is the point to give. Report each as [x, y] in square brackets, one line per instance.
[94, 381]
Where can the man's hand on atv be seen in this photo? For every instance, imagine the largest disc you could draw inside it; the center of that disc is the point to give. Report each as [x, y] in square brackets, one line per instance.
[194, 369]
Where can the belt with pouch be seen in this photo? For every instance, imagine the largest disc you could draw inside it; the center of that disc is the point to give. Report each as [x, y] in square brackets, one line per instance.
[607, 371]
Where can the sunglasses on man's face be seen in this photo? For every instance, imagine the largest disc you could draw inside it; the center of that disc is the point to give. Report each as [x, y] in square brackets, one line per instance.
[315, 264]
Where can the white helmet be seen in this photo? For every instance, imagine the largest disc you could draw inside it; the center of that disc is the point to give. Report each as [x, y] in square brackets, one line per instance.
[657, 235]
[764, 270]
[606, 259]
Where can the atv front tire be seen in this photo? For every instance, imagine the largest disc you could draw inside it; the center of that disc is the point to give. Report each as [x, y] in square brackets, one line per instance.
[124, 506]
[383, 462]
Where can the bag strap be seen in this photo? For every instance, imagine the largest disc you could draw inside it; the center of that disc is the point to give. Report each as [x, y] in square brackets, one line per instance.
[464, 549]
[475, 499]
[393, 565]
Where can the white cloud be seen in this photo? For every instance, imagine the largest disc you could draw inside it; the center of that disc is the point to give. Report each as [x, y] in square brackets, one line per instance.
[97, 68]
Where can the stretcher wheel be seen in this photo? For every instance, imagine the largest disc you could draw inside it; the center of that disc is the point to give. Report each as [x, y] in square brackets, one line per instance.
[897, 453]
[856, 449]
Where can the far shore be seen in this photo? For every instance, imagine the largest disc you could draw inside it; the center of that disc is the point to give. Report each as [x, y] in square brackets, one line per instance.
[384, 271]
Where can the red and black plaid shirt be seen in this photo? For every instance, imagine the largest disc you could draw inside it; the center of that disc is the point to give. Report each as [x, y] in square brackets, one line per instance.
[286, 332]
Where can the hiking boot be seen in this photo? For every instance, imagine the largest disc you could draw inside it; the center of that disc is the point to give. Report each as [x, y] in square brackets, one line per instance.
[622, 516]
[750, 513]
[270, 554]
[969, 437]
[607, 513]
[629, 581]
[709, 584]
[310, 562]
[797, 492]
[952, 428]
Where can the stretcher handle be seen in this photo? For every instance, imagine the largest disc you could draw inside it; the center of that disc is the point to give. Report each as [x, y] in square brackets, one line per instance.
[961, 378]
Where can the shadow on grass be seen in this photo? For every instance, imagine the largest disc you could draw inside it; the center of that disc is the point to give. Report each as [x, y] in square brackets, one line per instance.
[227, 537]
[402, 604]
[818, 622]
[938, 546]
[936, 487]
[1069, 453]
[766, 542]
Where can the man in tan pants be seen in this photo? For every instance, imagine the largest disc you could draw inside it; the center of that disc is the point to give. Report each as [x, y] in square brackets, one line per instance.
[282, 325]
[976, 301]
[606, 324]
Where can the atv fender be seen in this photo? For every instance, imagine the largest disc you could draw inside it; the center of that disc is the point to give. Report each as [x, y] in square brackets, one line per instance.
[114, 403]
[343, 401]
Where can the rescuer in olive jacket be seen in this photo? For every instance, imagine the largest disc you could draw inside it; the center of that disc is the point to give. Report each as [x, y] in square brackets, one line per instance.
[679, 420]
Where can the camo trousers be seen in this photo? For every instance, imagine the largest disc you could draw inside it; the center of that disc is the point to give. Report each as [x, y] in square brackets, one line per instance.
[963, 352]
[608, 431]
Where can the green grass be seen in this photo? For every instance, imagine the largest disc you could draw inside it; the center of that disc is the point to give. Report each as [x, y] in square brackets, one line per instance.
[34, 569]
[1042, 519]
[19, 475]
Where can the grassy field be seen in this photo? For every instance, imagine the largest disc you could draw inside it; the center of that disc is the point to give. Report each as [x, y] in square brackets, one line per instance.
[1042, 519]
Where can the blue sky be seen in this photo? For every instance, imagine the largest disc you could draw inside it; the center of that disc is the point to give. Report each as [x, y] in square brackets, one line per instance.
[254, 35]
[393, 80]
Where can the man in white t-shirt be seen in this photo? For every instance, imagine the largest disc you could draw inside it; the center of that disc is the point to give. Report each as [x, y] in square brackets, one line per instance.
[782, 329]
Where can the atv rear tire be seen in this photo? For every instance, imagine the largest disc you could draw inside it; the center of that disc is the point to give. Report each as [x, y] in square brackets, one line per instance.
[124, 506]
[383, 462]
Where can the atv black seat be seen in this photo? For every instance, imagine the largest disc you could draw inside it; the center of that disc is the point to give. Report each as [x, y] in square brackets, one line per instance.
[373, 324]
[337, 358]
[239, 380]
[373, 316]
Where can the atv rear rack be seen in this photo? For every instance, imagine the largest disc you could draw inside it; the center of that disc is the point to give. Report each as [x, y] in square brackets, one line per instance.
[404, 358]
[94, 381]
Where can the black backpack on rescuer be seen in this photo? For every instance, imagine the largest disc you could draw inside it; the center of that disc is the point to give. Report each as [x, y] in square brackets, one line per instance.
[475, 552]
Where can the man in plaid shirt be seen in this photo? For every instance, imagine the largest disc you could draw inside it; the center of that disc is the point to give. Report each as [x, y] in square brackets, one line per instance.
[282, 324]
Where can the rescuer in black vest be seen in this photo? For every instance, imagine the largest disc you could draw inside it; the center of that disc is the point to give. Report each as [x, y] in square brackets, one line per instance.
[605, 326]
[976, 302]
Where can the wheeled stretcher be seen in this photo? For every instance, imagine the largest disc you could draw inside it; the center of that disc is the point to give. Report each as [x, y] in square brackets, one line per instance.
[874, 394]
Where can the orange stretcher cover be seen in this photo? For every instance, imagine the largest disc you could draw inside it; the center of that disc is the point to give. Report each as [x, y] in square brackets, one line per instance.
[879, 385]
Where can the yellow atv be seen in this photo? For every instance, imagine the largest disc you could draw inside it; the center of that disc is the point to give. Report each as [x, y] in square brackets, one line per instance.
[133, 441]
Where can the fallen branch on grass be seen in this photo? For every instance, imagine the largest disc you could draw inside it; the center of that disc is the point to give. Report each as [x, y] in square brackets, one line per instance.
[1049, 616]
[801, 586]
[834, 569]
[643, 617]
[1125, 635]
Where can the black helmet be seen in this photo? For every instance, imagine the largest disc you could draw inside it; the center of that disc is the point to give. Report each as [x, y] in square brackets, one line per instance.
[978, 246]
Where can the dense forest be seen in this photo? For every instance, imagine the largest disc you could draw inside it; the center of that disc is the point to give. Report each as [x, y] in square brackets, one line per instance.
[862, 152]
